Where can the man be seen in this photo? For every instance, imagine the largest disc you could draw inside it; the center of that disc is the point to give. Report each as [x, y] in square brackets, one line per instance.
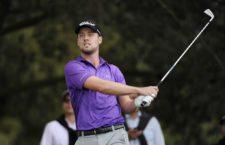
[222, 124]
[144, 129]
[61, 131]
[99, 93]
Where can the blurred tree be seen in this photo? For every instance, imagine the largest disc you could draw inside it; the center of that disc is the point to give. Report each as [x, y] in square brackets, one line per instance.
[10, 128]
[144, 38]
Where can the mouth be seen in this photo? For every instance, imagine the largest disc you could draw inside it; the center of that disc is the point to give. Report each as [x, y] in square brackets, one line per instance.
[86, 45]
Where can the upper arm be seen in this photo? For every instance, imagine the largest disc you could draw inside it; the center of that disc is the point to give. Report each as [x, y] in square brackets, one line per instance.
[46, 138]
[154, 132]
[125, 101]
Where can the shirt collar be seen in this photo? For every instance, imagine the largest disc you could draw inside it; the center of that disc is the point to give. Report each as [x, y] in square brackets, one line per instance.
[81, 59]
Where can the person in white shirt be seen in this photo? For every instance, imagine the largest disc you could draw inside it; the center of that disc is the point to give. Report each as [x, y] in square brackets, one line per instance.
[62, 130]
[143, 129]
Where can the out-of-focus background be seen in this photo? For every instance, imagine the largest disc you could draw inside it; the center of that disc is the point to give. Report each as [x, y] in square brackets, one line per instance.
[143, 37]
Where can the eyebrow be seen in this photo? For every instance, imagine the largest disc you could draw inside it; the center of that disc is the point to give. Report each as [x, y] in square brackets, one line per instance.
[88, 30]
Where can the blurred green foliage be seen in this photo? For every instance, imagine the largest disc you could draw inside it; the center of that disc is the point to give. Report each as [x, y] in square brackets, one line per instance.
[144, 38]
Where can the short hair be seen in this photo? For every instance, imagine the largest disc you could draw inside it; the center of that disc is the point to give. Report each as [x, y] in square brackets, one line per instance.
[65, 94]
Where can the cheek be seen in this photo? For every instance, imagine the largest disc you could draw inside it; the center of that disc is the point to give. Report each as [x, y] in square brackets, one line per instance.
[97, 42]
[79, 41]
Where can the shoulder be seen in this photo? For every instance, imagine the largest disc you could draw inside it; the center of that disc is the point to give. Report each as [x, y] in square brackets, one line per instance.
[154, 122]
[72, 63]
[114, 68]
[117, 73]
[111, 66]
[53, 125]
[54, 133]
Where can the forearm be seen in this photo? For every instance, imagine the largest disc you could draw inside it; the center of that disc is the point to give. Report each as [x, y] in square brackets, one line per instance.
[109, 87]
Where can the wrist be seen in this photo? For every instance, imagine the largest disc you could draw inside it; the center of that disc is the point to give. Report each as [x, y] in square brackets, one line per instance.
[138, 91]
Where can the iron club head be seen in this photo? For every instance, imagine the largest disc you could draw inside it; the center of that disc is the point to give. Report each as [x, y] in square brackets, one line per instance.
[209, 13]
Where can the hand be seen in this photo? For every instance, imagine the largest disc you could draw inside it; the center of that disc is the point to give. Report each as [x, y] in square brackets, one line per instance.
[149, 91]
[147, 101]
[134, 133]
[143, 101]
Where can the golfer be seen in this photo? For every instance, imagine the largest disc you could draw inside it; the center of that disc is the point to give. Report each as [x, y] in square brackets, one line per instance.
[99, 93]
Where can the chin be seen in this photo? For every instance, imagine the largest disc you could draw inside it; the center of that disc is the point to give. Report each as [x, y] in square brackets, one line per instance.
[88, 52]
[70, 113]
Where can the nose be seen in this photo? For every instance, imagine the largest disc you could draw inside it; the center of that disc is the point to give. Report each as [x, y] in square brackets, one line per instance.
[85, 37]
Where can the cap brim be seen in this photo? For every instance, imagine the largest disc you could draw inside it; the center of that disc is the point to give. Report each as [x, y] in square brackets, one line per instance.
[88, 26]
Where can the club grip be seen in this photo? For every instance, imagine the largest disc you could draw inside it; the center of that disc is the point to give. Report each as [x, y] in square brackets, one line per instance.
[143, 103]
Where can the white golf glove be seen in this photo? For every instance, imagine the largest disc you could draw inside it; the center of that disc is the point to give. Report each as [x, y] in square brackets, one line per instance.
[143, 101]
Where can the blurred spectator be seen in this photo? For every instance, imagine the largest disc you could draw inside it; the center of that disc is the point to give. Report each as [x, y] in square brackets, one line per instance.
[62, 130]
[222, 124]
[143, 129]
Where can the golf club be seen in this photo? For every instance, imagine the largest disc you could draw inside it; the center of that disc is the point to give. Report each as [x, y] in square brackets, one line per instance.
[211, 15]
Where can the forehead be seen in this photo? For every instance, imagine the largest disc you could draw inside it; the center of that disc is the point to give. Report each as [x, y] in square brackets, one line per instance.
[86, 30]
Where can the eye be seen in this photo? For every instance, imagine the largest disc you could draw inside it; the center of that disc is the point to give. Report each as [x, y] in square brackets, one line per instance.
[91, 34]
[80, 35]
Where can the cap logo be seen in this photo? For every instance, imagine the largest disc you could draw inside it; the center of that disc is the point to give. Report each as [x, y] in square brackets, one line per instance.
[89, 24]
[86, 23]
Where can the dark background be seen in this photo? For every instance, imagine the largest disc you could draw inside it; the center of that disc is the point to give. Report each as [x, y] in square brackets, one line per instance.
[144, 38]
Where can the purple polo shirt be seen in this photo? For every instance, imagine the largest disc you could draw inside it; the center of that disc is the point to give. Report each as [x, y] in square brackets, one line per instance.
[93, 109]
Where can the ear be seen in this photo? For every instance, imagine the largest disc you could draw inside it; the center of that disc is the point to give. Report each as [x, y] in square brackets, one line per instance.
[100, 40]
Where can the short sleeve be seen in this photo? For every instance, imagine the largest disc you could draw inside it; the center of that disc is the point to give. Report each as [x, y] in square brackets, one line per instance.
[76, 74]
[119, 77]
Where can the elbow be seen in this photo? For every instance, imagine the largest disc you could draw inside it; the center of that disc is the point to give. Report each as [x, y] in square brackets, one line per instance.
[127, 106]
[127, 110]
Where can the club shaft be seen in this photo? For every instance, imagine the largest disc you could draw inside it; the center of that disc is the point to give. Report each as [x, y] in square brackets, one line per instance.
[210, 14]
[167, 73]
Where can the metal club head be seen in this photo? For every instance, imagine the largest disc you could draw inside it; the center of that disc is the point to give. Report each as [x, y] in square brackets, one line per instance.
[209, 13]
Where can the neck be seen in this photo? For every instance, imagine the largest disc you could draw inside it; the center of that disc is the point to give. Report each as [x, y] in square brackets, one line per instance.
[70, 117]
[92, 58]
